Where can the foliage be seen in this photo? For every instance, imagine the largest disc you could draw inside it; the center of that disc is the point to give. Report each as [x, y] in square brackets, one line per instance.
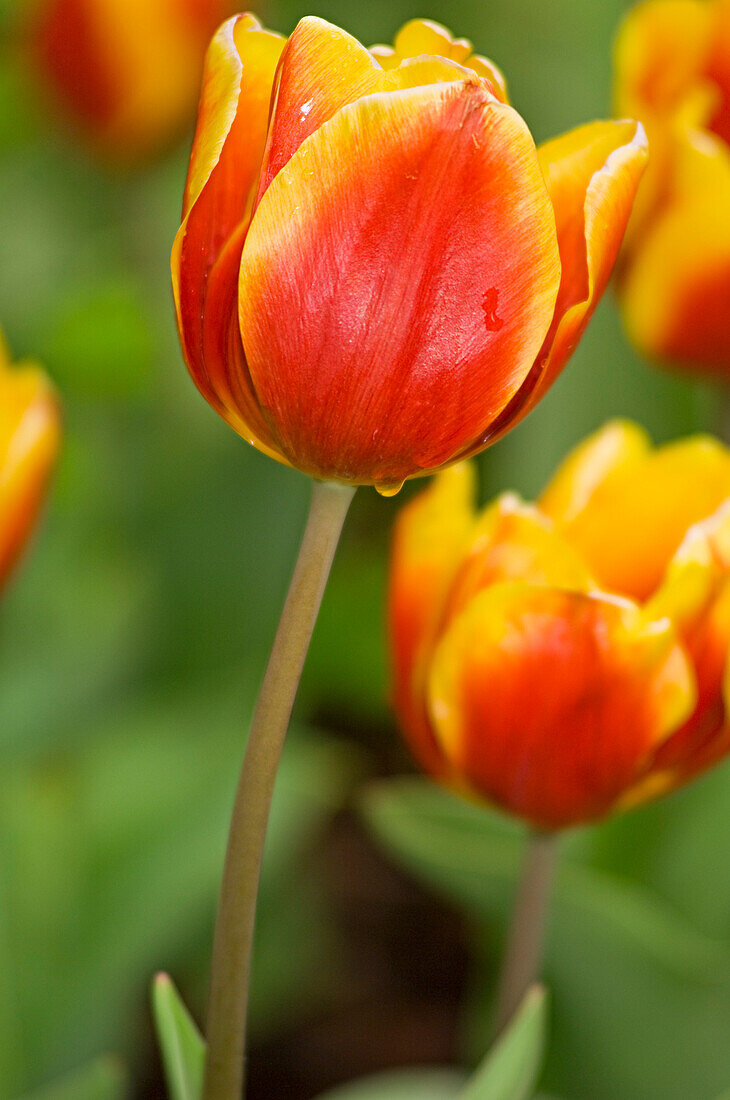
[181, 1044]
[103, 1079]
[621, 961]
[507, 1073]
[135, 633]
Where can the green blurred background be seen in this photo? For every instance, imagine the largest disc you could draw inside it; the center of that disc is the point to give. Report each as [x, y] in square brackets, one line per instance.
[133, 638]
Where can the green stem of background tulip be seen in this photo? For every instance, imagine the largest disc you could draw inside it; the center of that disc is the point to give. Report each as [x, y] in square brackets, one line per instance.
[523, 953]
[231, 963]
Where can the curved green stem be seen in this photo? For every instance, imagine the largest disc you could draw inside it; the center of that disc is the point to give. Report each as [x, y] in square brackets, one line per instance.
[231, 963]
[523, 953]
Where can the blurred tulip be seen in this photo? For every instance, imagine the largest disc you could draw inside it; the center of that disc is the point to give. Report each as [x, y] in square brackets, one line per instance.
[29, 435]
[377, 272]
[673, 72]
[569, 659]
[126, 72]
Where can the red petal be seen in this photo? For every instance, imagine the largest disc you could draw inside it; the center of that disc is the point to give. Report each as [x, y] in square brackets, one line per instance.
[397, 282]
[223, 174]
[592, 174]
[322, 68]
[547, 702]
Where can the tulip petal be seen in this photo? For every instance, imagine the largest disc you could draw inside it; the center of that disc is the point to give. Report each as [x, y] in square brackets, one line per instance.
[127, 70]
[660, 61]
[234, 112]
[403, 261]
[637, 517]
[690, 585]
[424, 36]
[226, 370]
[592, 174]
[29, 436]
[676, 287]
[69, 48]
[415, 72]
[322, 69]
[485, 67]
[513, 541]
[661, 52]
[617, 446]
[696, 597]
[431, 533]
[718, 69]
[424, 39]
[548, 702]
[708, 641]
[224, 167]
[421, 37]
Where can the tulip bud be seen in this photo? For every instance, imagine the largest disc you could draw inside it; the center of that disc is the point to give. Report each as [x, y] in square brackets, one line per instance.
[673, 72]
[568, 659]
[29, 436]
[377, 272]
[125, 72]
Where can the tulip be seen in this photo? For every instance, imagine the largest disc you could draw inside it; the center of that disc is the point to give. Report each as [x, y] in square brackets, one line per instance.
[673, 72]
[377, 273]
[569, 659]
[126, 72]
[29, 434]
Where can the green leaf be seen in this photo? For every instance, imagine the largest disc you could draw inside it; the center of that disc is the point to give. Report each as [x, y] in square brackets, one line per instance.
[182, 1046]
[474, 856]
[404, 1084]
[507, 1073]
[620, 961]
[121, 840]
[104, 1079]
[510, 1069]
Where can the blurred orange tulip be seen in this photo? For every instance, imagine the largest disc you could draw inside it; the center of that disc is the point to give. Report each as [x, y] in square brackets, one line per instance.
[377, 272]
[673, 72]
[126, 72]
[569, 659]
[29, 435]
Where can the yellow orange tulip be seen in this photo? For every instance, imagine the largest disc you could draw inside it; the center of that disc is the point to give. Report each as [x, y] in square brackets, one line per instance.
[125, 72]
[673, 72]
[377, 273]
[568, 659]
[29, 435]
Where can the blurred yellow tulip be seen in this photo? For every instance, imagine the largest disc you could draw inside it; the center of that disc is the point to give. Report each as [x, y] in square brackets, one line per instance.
[673, 73]
[29, 438]
[125, 72]
[568, 659]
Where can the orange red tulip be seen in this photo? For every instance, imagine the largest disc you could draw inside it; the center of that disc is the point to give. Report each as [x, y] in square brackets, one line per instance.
[568, 659]
[29, 436]
[673, 72]
[377, 272]
[126, 72]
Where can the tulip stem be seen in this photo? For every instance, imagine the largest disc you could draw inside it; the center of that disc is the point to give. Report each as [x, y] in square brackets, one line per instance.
[523, 953]
[231, 962]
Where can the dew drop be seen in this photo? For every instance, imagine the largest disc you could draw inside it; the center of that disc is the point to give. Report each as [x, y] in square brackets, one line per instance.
[389, 488]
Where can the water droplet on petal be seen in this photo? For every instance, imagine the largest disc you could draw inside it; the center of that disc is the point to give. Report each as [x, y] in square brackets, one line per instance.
[389, 488]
